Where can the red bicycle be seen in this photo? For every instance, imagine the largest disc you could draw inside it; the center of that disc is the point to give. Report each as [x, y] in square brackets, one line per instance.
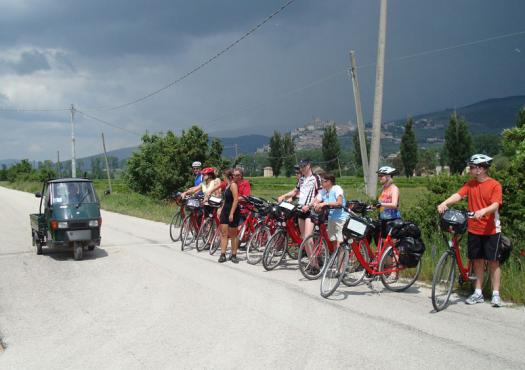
[210, 225]
[286, 237]
[261, 234]
[176, 220]
[315, 250]
[192, 222]
[453, 222]
[355, 259]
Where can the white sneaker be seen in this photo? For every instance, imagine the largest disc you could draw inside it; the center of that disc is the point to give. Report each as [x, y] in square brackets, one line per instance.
[475, 298]
[496, 301]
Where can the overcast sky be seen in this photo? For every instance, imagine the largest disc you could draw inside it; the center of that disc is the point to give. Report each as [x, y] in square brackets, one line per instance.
[99, 53]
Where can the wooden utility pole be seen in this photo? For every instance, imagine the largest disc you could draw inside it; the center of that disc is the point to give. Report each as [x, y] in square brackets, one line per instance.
[378, 103]
[359, 118]
[73, 152]
[107, 163]
[339, 165]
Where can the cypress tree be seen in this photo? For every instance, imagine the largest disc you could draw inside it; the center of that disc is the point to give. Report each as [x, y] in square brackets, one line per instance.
[276, 153]
[409, 155]
[331, 147]
[458, 144]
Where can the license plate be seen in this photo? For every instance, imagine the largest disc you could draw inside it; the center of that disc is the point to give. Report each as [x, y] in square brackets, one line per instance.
[79, 235]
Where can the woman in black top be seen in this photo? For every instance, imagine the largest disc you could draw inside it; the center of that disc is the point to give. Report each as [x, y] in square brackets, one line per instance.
[230, 215]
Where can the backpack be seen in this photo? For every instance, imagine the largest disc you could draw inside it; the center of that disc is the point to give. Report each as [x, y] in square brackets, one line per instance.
[410, 251]
[504, 249]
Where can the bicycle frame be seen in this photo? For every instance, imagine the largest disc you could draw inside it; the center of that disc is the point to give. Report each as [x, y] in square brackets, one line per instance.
[372, 266]
[454, 247]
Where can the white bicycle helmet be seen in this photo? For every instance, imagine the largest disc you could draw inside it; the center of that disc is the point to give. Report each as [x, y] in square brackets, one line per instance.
[480, 160]
[386, 170]
[196, 164]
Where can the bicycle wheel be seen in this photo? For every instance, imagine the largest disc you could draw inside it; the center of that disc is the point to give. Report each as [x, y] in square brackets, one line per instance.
[333, 273]
[275, 250]
[203, 235]
[355, 272]
[443, 281]
[215, 241]
[256, 244]
[313, 256]
[187, 233]
[402, 277]
[175, 224]
[243, 235]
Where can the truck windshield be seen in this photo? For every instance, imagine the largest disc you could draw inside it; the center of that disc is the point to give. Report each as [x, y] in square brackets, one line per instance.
[72, 193]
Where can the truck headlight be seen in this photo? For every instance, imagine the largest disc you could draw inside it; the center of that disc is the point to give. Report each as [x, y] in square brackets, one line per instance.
[62, 225]
[93, 223]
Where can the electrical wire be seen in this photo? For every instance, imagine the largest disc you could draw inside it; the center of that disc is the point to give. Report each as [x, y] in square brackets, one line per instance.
[203, 64]
[108, 123]
[32, 110]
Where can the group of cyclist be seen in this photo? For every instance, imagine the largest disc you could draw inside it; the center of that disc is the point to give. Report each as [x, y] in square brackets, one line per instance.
[316, 191]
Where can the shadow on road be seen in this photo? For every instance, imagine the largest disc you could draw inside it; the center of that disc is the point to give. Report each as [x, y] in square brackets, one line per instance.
[65, 255]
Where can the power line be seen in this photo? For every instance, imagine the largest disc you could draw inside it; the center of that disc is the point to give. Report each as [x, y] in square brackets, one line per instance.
[21, 110]
[108, 123]
[203, 64]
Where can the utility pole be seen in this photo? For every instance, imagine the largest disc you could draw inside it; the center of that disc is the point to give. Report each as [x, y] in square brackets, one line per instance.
[339, 165]
[73, 153]
[359, 116]
[378, 103]
[107, 163]
[59, 169]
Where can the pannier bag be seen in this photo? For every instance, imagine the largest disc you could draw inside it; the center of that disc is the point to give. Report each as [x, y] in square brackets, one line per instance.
[410, 251]
[214, 201]
[454, 221]
[193, 203]
[504, 248]
[408, 229]
[286, 209]
[356, 227]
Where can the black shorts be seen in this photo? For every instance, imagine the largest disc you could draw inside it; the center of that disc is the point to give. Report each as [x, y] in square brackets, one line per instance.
[303, 215]
[483, 247]
[225, 217]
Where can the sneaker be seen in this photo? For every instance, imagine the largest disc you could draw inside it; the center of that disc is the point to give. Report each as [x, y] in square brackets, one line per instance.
[475, 298]
[234, 258]
[222, 258]
[496, 301]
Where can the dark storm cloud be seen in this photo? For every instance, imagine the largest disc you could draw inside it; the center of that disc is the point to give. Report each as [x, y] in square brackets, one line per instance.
[104, 53]
[30, 61]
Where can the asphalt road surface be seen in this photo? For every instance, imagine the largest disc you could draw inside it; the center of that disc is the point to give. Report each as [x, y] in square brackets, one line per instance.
[138, 302]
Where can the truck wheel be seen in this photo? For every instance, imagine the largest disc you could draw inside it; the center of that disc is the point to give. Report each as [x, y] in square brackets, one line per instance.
[78, 251]
[91, 247]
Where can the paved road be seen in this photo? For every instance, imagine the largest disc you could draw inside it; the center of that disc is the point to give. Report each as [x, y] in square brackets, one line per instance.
[138, 302]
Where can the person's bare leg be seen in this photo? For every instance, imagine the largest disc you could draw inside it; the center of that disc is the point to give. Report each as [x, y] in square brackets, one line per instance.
[232, 233]
[224, 238]
[479, 270]
[495, 274]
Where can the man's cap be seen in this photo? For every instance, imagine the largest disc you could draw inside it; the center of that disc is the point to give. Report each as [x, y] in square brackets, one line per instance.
[304, 162]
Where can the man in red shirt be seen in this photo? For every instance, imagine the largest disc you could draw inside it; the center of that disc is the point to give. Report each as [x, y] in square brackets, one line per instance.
[243, 185]
[485, 198]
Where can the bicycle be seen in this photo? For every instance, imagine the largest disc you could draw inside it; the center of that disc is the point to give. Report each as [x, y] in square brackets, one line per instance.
[278, 244]
[251, 218]
[453, 222]
[192, 221]
[354, 259]
[261, 234]
[178, 217]
[210, 224]
[315, 250]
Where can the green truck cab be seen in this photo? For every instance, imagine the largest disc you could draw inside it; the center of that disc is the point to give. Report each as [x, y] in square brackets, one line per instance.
[68, 216]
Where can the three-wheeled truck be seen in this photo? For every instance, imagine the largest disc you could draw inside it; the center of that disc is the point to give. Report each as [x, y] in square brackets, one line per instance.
[68, 216]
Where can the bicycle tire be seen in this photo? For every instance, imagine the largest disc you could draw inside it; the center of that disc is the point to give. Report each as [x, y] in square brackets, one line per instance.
[442, 289]
[401, 279]
[256, 244]
[275, 250]
[243, 235]
[355, 272]
[204, 234]
[215, 242]
[175, 224]
[312, 266]
[187, 233]
[333, 273]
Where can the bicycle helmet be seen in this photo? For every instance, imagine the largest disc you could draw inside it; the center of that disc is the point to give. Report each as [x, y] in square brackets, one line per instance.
[196, 164]
[386, 170]
[480, 160]
[208, 170]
